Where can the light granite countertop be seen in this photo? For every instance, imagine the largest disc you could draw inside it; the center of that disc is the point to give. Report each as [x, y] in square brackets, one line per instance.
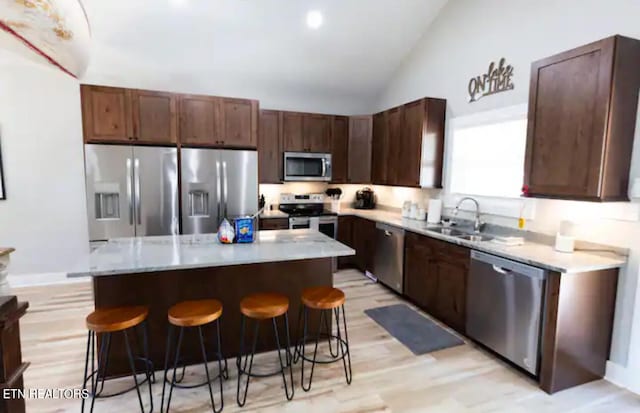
[273, 213]
[164, 253]
[533, 253]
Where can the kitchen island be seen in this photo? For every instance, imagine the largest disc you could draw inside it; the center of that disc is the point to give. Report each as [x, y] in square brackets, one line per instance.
[160, 271]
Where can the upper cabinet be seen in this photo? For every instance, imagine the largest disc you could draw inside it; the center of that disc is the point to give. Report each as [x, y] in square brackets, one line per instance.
[408, 144]
[360, 141]
[582, 114]
[106, 114]
[292, 132]
[154, 116]
[339, 149]
[317, 133]
[119, 115]
[269, 152]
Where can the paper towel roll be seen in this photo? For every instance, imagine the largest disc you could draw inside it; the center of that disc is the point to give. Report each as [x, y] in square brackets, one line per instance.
[435, 211]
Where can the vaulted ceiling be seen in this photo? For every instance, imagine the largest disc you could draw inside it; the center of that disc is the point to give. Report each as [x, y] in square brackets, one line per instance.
[261, 44]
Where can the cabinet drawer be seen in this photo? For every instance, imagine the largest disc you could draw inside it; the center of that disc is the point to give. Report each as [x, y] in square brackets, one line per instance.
[274, 223]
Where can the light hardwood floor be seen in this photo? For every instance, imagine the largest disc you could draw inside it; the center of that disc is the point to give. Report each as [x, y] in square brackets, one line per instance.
[387, 376]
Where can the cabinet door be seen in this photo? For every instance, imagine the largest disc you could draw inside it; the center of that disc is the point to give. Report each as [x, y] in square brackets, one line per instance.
[568, 101]
[451, 295]
[339, 149]
[345, 236]
[410, 148]
[395, 116]
[317, 133]
[379, 153]
[431, 162]
[239, 123]
[199, 120]
[106, 114]
[420, 282]
[267, 224]
[364, 235]
[154, 116]
[269, 153]
[292, 137]
[360, 129]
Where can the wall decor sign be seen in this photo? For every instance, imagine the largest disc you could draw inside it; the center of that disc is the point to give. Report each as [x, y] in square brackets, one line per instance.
[53, 31]
[3, 193]
[499, 78]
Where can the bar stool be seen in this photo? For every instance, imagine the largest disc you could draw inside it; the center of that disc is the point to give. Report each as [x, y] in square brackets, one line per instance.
[105, 322]
[326, 300]
[261, 307]
[189, 314]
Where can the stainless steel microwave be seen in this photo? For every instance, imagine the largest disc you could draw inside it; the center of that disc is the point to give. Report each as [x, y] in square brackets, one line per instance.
[306, 166]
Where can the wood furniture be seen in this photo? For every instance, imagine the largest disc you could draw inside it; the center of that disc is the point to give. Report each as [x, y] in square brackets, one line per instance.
[340, 149]
[576, 338]
[306, 132]
[273, 223]
[435, 278]
[4, 270]
[120, 115]
[363, 241]
[269, 147]
[194, 314]
[582, 114]
[292, 132]
[359, 168]
[229, 284]
[344, 235]
[108, 320]
[259, 307]
[12, 367]
[328, 301]
[408, 143]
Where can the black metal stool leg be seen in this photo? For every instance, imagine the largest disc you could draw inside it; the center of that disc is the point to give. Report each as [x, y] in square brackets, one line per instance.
[282, 366]
[175, 366]
[166, 366]
[132, 364]
[315, 353]
[86, 366]
[206, 370]
[243, 400]
[298, 346]
[346, 356]
[327, 326]
[151, 373]
[102, 361]
[224, 373]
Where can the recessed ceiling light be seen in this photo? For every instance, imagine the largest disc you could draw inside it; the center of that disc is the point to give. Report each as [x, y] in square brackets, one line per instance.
[314, 19]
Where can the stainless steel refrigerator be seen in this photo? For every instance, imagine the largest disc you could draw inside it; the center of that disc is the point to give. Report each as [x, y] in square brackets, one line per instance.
[216, 184]
[131, 191]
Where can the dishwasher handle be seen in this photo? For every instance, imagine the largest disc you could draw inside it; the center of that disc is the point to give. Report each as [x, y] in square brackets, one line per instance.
[389, 230]
[501, 270]
[506, 267]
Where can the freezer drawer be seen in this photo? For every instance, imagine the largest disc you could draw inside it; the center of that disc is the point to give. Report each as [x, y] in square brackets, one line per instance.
[504, 308]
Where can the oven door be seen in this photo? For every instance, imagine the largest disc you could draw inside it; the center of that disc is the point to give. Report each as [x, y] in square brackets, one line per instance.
[328, 226]
[299, 222]
[301, 166]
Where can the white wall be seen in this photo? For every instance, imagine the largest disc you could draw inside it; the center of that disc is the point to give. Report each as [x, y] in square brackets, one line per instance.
[44, 215]
[460, 44]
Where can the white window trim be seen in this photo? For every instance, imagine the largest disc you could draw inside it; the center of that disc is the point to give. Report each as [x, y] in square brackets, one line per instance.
[499, 206]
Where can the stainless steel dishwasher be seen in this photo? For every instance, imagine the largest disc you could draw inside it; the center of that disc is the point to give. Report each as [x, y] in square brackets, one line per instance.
[388, 265]
[504, 308]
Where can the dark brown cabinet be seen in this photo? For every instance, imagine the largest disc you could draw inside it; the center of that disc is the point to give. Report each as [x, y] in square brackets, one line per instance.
[269, 152]
[316, 131]
[199, 120]
[379, 150]
[339, 149]
[273, 223]
[106, 114]
[239, 123]
[394, 140]
[363, 238]
[582, 115]
[435, 276]
[345, 236]
[360, 140]
[292, 132]
[154, 117]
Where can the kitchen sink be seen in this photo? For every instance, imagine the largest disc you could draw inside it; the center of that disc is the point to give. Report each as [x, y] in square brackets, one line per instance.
[449, 231]
[475, 237]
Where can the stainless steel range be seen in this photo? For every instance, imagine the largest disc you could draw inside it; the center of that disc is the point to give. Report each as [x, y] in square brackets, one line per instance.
[307, 211]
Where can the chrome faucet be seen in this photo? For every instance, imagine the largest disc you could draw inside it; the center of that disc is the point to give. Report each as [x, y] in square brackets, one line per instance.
[477, 225]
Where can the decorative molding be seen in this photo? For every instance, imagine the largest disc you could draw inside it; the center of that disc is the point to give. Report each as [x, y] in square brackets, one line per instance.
[499, 78]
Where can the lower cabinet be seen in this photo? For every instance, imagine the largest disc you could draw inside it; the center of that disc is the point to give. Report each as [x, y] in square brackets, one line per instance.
[435, 277]
[364, 242]
[345, 236]
[274, 223]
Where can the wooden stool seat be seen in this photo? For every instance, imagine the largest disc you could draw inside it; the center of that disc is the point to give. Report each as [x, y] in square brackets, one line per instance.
[195, 313]
[262, 306]
[322, 298]
[109, 320]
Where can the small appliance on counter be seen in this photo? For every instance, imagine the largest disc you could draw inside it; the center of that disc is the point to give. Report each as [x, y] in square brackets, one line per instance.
[334, 195]
[365, 199]
[434, 214]
[565, 237]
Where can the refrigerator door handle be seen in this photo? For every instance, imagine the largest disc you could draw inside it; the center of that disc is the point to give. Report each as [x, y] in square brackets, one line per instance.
[226, 187]
[136, 183]
[129, 195]
[218, 190]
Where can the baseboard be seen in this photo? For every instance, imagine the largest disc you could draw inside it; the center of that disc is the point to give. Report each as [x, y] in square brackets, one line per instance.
[30, 280]
[623, 377]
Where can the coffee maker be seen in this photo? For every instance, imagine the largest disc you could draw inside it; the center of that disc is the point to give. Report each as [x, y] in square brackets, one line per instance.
[365, 199]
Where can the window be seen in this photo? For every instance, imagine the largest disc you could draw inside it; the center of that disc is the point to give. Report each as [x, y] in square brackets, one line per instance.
[487, 154]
